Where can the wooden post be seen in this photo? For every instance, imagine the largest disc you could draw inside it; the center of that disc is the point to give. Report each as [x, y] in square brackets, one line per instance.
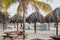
[57, 29]
[17, 26]
[3, 27]
[35, 27]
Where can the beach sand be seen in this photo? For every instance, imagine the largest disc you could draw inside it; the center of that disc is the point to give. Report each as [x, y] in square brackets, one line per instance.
[45, 35]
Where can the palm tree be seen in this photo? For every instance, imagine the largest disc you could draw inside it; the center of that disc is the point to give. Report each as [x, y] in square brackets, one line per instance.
[37, 4]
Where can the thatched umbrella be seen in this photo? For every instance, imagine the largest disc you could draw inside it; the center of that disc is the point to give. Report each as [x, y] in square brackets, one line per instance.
[35, 17]
[17, 18]
[4, 19]
[56, 14]
[49, 19]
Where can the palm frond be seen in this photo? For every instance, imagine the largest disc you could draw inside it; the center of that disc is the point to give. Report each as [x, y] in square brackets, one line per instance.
[44, 6]
[19, 9]
[6, 13]
[6, 3]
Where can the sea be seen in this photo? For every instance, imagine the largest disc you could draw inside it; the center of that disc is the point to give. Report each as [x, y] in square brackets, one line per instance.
[40, 26]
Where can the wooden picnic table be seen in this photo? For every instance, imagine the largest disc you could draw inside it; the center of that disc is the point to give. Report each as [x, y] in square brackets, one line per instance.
[10, 34]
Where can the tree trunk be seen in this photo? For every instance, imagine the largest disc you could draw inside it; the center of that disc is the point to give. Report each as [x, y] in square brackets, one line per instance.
[24, 20]
[57, 29]
[35, 27]
[23, 4]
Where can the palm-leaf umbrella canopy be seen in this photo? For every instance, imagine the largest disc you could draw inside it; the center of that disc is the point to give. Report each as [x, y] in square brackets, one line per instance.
[3, 17]
[50, 18]
[17, 18]
[56, 14]
[35, 17]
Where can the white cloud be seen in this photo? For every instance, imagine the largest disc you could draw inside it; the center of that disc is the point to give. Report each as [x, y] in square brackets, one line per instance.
[13, 9]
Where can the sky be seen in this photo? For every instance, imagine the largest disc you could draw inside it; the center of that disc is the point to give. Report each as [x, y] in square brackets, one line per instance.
[12, 10]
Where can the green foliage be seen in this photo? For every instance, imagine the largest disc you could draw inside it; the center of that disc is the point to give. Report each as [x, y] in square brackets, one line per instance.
[42, 5]
[6, 13]
[4, 4]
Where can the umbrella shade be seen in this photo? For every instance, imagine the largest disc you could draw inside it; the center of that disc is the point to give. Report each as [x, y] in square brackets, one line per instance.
[56, 14]
[35, 17]
[17, 18]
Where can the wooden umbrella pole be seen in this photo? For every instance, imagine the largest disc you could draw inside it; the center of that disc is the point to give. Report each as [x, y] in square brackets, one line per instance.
[17, 26]
[35, 27]
[3, 27]
[57, 29]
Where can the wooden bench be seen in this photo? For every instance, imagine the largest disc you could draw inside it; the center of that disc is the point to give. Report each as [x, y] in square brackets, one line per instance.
[12, 34]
